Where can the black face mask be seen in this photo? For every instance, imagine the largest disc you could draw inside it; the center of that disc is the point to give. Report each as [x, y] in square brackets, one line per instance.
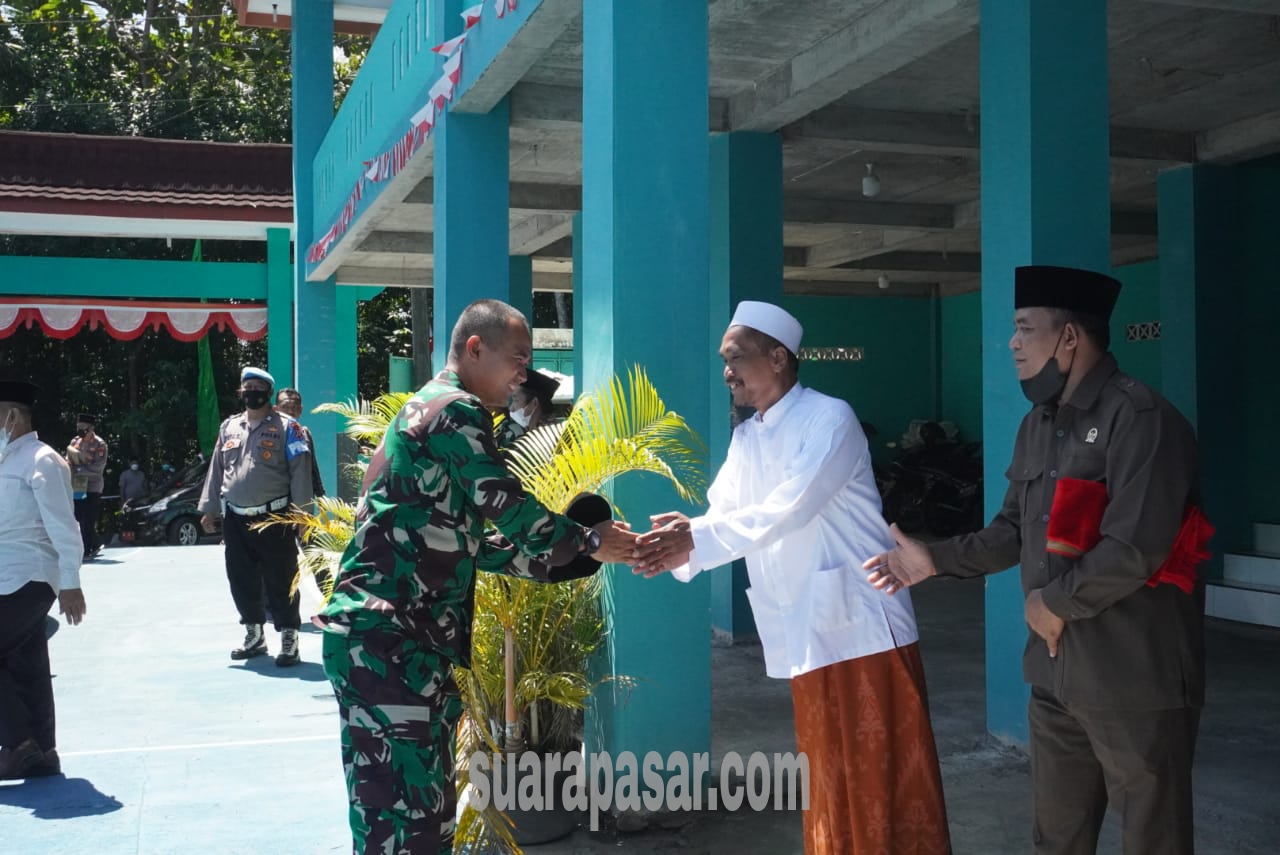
[82, 432]
[1048, 383]
[254, 399]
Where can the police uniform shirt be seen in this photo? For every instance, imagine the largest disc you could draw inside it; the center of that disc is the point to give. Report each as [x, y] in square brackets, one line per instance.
[253, 465]
[1126, 645]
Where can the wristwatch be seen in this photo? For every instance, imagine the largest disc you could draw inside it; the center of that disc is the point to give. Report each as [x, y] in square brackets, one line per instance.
[592, 542]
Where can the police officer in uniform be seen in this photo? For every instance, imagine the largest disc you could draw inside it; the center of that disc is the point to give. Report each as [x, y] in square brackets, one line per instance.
[1102, 515]
[261, 465]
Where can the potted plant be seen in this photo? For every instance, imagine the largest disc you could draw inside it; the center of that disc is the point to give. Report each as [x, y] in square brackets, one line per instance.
[531, 643]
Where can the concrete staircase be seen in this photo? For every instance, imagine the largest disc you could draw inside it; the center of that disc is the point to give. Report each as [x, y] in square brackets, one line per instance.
[1250, 588]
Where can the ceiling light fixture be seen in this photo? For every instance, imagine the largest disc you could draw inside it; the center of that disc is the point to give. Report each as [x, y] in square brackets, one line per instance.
[870, 182]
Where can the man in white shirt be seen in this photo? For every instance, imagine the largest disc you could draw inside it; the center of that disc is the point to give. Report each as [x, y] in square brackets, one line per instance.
[797, 499]
[40, 552]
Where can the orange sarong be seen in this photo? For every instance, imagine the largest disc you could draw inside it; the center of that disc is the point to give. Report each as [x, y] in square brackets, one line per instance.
[875, 787]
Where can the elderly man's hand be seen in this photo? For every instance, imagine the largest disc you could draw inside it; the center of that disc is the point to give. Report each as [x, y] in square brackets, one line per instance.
[71, 604]
[666, 546]
[903, 566]
[207, 521]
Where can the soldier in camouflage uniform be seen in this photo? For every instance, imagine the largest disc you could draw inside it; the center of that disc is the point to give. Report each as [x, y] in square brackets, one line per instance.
[400, 615]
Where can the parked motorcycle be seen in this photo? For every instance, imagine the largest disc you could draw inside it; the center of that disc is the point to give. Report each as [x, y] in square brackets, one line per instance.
[934, 486]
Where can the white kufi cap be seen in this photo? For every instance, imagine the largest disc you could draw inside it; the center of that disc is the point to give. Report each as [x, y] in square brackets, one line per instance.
[251, 373]
[770, 320]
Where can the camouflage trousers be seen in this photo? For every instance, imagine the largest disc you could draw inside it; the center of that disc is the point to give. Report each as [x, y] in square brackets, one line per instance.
[400, 709]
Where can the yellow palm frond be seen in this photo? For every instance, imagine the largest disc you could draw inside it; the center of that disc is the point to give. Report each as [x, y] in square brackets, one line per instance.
[367, 421]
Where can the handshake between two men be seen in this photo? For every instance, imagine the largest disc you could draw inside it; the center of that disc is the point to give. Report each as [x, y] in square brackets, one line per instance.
[666, 546]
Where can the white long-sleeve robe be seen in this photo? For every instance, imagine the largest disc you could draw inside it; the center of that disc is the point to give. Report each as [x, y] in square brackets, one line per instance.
[797, 499]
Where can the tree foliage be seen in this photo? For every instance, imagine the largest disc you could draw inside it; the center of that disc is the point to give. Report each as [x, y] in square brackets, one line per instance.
[174, 69]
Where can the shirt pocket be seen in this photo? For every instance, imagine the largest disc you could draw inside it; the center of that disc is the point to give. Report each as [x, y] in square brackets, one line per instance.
[1087, 465]
[833, 598]
[1024, 476]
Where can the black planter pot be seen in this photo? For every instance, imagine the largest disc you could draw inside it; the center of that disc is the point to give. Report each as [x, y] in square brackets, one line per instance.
[553, 822]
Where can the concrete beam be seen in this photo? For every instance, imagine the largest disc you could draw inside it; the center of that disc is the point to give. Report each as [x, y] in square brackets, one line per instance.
[860, 245]
[551, 107]
[536, 198]
[401, 242]
[1256, 7]
[824, 288]
[404, 277]
[1256, 136]
[957, 134]
[968, 215]
[545, 24]
[903, 215]
[932, 262]
[538, 231]
[892, 35]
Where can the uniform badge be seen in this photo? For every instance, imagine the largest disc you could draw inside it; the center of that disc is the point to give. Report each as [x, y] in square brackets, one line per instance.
[266, 443]
[230, 444]
[1091, 436]
[266, 455]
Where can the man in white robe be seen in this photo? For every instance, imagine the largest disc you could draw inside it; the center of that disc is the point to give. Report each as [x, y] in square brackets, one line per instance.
[797, 499]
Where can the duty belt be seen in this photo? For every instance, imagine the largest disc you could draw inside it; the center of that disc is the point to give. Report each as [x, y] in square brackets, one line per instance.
[257, 510]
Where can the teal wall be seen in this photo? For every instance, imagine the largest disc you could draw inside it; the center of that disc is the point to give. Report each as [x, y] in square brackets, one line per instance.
[1139, 303]
[1259, 308]
[895, 382]
[960, 366]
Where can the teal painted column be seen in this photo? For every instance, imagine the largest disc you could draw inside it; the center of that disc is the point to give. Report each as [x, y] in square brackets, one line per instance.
[1045, 200]
[520, 284]
[315, 303]
[746, 264]
[578, 325]
[1200, 334]
[279, 307]
[471, 225]
[645, 254]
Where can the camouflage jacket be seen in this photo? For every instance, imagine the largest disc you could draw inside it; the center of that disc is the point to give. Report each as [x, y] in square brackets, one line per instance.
[420, 535]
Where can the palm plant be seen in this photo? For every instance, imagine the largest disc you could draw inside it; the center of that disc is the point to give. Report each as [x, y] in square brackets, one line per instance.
[531, 643]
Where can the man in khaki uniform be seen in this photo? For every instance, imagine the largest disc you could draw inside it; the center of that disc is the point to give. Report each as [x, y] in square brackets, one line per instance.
[87, 454]
[261, 465]
[1102, 513]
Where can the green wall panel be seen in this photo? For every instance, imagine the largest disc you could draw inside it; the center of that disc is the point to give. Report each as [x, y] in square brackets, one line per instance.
[960, 368]
[894, 383]
[1139, 303]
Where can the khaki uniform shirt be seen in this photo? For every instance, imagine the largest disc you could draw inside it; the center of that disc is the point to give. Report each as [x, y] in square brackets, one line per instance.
[252, 467]
[1126, 645]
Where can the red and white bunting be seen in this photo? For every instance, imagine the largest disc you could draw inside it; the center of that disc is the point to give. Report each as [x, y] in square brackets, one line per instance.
[450, 47]
[64, 317]
[389, 163]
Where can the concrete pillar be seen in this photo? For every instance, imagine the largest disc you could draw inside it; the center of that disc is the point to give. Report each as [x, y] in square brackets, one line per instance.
[520, 284]
[746, 264]
[279, 307]
[315, 302]
[1045, 200]
[578, 325]
[1201, 345]
[472, 177]
[645, 302]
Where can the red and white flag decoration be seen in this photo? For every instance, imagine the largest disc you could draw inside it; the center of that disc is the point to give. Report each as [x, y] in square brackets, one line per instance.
[389, 163]
[64, 317]
[450, 47]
